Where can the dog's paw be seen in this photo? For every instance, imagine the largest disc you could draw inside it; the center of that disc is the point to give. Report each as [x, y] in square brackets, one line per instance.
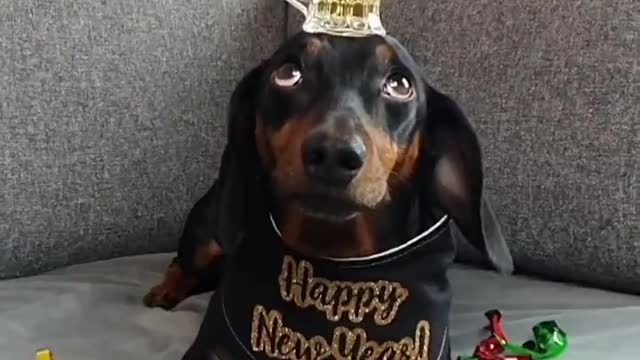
[163, 297]
[176, 286]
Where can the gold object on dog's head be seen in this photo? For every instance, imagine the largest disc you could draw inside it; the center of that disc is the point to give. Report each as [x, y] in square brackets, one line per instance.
[352, 18]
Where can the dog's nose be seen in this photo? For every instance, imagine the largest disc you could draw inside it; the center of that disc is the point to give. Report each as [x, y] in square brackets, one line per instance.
[334, 161]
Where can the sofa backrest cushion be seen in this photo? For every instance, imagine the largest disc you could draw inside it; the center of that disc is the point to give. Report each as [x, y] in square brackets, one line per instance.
[112, 116]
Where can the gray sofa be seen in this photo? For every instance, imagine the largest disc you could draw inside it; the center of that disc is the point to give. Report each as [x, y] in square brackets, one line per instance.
[111, 126]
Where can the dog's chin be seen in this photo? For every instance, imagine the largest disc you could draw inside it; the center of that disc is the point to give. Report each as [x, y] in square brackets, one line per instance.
[328, 208]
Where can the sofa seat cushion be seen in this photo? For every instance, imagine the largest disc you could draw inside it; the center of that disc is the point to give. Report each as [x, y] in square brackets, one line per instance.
[94, 311]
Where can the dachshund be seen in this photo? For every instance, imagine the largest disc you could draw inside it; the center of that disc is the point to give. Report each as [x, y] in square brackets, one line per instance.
[344, 185]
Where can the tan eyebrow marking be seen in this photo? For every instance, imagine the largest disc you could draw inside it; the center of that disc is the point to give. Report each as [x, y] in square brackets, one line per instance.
[315, 45]
[384, 53]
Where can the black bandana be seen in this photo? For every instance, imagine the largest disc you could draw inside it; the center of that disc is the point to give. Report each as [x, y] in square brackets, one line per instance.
[277, 304]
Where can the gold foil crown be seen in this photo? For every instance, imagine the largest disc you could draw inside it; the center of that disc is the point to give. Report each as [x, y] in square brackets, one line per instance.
[354, 18]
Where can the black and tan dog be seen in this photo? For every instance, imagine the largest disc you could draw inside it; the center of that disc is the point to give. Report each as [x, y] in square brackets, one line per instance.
[329, 224]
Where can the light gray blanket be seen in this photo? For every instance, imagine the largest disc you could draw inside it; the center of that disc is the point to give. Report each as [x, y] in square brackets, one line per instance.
[94, 312]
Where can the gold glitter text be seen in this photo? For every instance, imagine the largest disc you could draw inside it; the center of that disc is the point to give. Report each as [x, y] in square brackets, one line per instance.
[338, 298]
[271, 336]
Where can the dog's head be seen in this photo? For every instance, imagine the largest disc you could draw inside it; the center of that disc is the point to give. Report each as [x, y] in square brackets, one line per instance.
[331, 125]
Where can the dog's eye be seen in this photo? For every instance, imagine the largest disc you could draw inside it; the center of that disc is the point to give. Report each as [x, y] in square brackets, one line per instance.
[287, 75]
[398, 87]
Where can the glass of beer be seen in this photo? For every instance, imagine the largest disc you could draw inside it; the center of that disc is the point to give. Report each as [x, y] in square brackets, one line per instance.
[342, 17]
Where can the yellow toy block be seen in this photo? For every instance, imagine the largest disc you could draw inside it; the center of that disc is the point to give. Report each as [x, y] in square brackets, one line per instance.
[44, 354]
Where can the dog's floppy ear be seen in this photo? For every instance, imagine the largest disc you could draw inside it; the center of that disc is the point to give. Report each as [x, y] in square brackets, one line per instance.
[452, 152]
[241, 175]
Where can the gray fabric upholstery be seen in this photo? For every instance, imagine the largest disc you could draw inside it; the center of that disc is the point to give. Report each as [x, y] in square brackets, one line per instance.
[553, 88]
[111, 115]
[94, 312]
[111, 119]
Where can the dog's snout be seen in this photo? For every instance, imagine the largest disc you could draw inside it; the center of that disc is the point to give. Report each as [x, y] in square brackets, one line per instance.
[333, 160]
